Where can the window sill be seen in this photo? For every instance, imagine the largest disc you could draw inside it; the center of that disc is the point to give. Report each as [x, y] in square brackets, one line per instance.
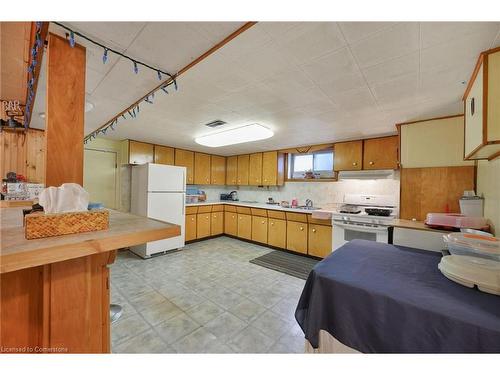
[311, 180]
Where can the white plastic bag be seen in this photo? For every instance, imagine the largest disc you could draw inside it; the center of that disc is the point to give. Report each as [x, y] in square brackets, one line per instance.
[65, 198]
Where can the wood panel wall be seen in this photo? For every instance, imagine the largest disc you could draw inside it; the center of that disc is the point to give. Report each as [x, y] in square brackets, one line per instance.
[435, 189]
[23, 153]
[65, 112]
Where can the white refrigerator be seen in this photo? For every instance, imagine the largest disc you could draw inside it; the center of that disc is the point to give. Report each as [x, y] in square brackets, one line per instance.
[159, 192]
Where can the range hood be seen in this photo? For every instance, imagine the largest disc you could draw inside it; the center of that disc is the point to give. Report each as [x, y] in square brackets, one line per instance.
[366, 175]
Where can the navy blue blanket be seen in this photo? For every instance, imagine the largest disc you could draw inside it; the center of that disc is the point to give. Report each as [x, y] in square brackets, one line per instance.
[380, 298]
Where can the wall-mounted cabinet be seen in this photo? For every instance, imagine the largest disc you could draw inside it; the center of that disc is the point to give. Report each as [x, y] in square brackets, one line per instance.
[140, 152]
[232, 170]
[217, 170]
[243, 172]
[201, 169]
[348, 156]
[482, 108]
[184, 158]
[255, 169]
[164, 155]
[273, 168]
[433, 143]
[381, 153]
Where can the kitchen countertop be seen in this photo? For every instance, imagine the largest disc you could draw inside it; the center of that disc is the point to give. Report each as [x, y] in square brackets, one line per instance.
[419, 225]
[265, 206]
[16, 252]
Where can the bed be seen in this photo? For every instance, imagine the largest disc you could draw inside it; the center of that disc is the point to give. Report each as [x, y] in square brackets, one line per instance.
[372, 297]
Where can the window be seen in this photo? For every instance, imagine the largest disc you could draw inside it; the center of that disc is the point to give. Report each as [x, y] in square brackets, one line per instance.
[316, 165]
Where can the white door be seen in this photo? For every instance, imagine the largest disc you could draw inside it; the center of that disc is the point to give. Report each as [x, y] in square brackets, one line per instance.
[99, 176]
[166, 178]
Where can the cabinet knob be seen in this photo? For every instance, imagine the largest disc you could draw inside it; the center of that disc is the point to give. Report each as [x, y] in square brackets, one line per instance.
[263, 222]
[208, 217]
[192, 219]
[371, 163]
[354, 164]
[272, 223]
[314, 230]
[301, 228]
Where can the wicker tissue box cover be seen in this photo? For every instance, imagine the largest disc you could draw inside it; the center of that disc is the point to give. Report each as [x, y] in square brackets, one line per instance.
[49, 225]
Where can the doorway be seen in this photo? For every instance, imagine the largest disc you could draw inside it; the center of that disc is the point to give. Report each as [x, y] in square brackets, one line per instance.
[99, 176]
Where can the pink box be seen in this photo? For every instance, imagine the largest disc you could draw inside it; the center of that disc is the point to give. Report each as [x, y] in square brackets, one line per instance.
[455, 221]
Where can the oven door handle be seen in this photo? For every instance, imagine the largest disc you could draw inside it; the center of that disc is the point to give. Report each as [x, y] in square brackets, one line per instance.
[360, 228]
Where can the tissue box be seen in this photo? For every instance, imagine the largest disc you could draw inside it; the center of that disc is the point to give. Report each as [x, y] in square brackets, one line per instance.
[40, 225]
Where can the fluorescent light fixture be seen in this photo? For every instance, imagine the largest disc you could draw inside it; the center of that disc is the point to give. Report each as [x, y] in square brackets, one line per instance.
[247, 133]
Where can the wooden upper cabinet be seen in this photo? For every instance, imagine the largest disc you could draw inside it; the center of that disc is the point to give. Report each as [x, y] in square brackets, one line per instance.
[232, 170]
[218, 170]
[482, 108]
[255, 169]
[201, 169]
[164, 155]
[273, 168]
[184, 158]
[348, 156]
[243, 164]
[381, 153]
[140, 152]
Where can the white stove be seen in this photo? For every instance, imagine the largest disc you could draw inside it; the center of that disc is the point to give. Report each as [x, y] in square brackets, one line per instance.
[364, 217]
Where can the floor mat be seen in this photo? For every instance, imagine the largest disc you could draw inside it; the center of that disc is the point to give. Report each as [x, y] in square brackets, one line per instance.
[291, 264]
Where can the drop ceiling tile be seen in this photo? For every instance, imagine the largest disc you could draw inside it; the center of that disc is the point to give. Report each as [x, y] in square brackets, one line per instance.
[433, 33]
[92, 80]
[287, 81]
[355, 31]
[247, 42]
[396, 89]
[277, 29]
[457, 51]
[310, 40]
[388, 70]
[114, 34]
[387, 44]
[332, 66]
[215, 31]
[450, 81]
[353, 100]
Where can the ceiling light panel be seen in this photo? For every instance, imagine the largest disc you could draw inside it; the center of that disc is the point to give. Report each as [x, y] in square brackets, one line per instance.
[243, 134]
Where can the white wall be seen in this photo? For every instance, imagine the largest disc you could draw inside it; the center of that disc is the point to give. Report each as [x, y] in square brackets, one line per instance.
[488, 185]
[322, 193]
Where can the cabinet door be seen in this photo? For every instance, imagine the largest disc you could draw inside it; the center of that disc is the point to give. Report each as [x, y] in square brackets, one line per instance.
[474, 123]
[203, 225]
[259, 229]
[245, 226]
[276, 235]
[218, 170]
[296, 236]
[381, 153]
[255, 169]
[231, 223]
[348, 156]
[232, 170]
[217, 223]
[201, 169]
[243, 162]
[190, 227]
[270, 168]
[184, 158]
[320, 240]
[140, 152]
[164, 155]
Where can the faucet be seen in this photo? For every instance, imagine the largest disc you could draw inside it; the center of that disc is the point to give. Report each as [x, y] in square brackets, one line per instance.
[309, 203]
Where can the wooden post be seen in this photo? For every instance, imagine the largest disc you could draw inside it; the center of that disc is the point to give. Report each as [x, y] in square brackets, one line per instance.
[65, 105]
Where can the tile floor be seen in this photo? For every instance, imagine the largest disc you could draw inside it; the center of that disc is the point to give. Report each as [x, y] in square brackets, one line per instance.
[206, 298]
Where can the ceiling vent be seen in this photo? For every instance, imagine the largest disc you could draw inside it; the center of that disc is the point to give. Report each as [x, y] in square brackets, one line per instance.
[216, 123]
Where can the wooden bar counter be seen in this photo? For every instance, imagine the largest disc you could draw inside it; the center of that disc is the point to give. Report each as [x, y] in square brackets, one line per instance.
[54, 292]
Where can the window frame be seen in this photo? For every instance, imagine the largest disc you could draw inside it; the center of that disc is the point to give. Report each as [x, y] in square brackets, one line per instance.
[290, 161]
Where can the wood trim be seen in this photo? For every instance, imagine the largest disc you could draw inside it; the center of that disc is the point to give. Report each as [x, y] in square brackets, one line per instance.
[183, 70]
[36, 73]
[473, 76]
[485, 100]
[494, 156]
[428, 119]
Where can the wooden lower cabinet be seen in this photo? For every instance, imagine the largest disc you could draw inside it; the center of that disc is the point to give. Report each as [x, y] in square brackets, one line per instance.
[231, 223]
[259, 229]
[320, 240]
[245, 226]
[296, 236]
[276, 233]
[203, 225]
[190, 233]
[217, 223]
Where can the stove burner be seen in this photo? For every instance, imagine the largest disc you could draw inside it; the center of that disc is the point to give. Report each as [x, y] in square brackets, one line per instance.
[350, 212]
